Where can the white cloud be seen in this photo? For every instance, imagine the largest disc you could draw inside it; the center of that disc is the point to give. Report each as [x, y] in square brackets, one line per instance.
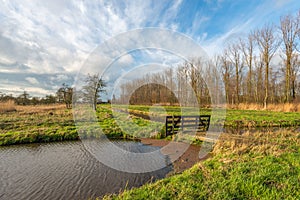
[18, 89]
[126, 59]
[32, 80]
[57, 36]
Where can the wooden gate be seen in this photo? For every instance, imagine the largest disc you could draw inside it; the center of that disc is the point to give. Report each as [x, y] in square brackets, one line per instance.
[186, 124]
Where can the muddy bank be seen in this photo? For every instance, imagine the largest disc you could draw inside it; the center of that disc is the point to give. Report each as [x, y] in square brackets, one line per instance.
[185, 161]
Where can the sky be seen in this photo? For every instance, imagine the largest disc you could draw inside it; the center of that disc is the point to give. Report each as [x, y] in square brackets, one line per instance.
[46, 43]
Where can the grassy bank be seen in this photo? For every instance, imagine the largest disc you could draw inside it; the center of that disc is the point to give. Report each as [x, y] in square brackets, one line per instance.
[253, 166]
[29, 124]
[118, 124]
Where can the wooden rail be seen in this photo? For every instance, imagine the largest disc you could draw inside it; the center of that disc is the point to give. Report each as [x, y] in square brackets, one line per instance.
[174, 124]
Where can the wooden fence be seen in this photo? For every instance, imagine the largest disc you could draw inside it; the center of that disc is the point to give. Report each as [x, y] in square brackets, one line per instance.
[184, 124]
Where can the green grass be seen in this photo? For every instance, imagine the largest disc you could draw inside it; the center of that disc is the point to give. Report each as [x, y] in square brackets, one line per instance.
[261, 118]
[58, 124]
[119, 124]
[234, 118]
[259, 169]
[31, 127]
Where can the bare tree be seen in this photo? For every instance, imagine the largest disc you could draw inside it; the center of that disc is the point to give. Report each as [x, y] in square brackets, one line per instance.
[196, 77]
[64, 94]
[289, 28]
[258, 77]
[227, 71]
[234, 56]
[94, 86]
[247, 47]
[268, 44]
[295, 67]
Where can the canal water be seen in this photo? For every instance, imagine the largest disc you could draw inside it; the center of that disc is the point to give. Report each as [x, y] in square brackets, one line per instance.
[65, 170]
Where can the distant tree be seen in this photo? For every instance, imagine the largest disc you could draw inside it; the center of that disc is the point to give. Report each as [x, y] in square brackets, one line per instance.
[114, 100]
[60, 95]
[23, 99]
[1, 96]
[64, 94]
[94, 86]
[49, 99]
[35, 100]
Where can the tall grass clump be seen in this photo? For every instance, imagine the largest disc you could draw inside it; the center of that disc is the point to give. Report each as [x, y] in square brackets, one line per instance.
[280, 107]
[8, 106]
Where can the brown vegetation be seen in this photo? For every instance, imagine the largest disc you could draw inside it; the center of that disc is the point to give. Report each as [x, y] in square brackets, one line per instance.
[8, 106]
[281, 107]
[268, 143]
[39, 108]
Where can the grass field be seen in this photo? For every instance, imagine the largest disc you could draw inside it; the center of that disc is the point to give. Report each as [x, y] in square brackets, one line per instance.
[254, 166]
[37, 124]
[119, 125]
[234, 118]
[27, 124]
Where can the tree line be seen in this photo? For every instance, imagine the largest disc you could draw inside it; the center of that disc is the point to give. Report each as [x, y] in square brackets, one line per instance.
[261, 67]
[94, 86]
[26, 99]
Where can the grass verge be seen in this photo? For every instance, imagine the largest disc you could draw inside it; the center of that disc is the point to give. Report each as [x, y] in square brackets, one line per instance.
[253, 166]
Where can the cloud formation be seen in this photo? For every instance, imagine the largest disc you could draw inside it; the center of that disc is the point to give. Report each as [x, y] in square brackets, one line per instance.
[52, 39]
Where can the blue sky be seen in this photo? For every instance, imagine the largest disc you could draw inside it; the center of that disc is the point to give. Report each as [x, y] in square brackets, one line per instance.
[45, 43]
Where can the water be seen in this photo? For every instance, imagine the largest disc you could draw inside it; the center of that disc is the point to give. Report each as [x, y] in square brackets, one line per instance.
[64, 170]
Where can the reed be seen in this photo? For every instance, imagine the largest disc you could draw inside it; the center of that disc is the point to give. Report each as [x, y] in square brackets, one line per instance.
[8, 106]
[282, 107]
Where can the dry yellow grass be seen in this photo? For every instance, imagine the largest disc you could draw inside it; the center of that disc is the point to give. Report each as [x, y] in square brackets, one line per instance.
[283, 107]
[275, 142]
[39, 108]
[8, 106]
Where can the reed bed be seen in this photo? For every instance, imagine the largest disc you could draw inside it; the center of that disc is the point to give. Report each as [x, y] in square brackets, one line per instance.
[282, 107]
[8, 106]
